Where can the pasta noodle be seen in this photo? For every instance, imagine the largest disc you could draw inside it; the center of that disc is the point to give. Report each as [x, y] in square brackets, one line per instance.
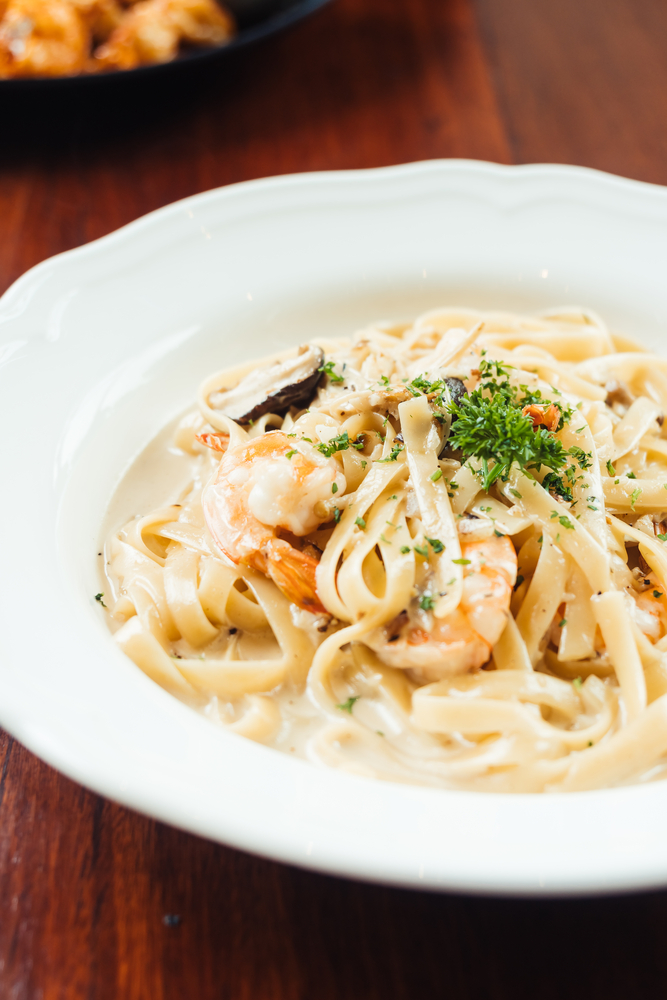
[433, 553]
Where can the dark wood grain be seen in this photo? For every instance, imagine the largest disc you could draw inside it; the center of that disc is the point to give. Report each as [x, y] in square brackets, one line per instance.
[85, 885]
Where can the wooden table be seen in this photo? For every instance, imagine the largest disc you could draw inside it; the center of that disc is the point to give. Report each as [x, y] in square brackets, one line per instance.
[84, 884]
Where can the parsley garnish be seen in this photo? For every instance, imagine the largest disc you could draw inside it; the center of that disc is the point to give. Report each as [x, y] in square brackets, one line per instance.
[435, 476]
[584, 458]
[490, 425]
[405, 549]
[562, 519]
[554, 484]
[427, 602]
[634, 496]
[562, 622]
[347, 705]
[291, 452]
[334, 487]
[340, 443]
[630, 475]
[461, 562]
[336, 515]
[397, 448]
[577, 682]
[663, 538]
[657, 594]
[360, 523]
[422, 550]
[98, 597]
[328, 369]
[610, 468]
[436, 545]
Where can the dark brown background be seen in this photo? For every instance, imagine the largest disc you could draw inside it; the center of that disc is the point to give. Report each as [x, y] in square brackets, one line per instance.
[85, 884]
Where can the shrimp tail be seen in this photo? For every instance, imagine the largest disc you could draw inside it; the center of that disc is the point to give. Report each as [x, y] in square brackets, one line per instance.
[217, 442]
[293, 572]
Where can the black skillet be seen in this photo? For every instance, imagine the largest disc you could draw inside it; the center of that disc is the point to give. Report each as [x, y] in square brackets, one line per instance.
[273, 16]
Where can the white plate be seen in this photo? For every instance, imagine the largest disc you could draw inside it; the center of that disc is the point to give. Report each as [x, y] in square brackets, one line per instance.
[103, 345]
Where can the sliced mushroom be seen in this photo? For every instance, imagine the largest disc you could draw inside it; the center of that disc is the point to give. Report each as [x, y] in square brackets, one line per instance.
[619, 396]
[273, 389]
[456, 390]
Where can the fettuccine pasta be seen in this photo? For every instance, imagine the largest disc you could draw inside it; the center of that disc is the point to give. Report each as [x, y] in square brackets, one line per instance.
[433, 553]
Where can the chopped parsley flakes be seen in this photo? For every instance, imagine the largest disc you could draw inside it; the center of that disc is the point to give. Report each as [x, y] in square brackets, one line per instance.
[98, 597]
[341, 442]
[328, 369]
[396, 450]
[427, 602]
[562, 519]
[348, 705]
[554, 484]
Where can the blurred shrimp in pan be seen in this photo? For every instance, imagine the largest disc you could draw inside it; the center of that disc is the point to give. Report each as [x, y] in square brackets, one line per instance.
[153, 30]
[43, 38]
[263, 486]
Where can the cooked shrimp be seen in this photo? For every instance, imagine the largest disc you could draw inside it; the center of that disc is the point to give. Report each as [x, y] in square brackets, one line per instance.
[543, 416]
[151, 32]
[268, 484]
[216, 442]
[42, 38]
[102, 17]
[433, 648]
[650, 610]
